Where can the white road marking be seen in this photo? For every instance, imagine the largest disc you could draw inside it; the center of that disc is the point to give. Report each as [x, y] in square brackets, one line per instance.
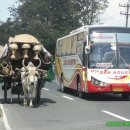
[7, 126]
[117, 116]
[67, 97]
[46, 89]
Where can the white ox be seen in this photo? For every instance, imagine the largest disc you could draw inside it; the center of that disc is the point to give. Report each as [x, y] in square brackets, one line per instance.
[29, 77]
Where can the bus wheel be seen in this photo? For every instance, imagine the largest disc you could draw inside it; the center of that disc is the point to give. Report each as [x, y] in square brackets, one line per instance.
[62, 87]
[79, 92]
[125, 95]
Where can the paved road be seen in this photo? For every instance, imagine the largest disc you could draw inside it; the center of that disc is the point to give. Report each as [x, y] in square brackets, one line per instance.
[2, 127]
[64, 111]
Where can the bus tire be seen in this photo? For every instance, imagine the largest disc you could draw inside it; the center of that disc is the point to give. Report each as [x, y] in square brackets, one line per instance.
[78, 91]
[125, 95]
[62, 87]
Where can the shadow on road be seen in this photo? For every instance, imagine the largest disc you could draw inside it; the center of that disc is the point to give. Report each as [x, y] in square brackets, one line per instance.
[98, 97]
[43, 102]
[104, 97]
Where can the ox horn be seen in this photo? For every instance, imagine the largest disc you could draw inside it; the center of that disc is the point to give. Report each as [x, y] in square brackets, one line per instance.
[4, 65]
[24, 64]
[39, 63]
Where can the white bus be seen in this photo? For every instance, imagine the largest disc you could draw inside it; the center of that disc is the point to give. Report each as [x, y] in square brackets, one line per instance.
[94, 59]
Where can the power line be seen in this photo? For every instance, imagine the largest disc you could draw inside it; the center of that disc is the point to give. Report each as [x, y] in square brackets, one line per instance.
[127, 6]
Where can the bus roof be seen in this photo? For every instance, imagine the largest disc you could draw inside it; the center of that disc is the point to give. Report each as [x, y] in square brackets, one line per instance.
[91, 27]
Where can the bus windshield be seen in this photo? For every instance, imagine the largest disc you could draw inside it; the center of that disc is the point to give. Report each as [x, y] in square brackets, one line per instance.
[109, 50]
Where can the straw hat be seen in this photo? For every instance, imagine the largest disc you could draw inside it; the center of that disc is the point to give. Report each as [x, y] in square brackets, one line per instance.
[10, 39]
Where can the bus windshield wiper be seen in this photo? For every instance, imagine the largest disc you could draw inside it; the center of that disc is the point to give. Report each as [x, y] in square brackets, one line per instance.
[111, 61]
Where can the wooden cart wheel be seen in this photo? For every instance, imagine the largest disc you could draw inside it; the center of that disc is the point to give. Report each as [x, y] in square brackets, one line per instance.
[38, 94]
[38, 90]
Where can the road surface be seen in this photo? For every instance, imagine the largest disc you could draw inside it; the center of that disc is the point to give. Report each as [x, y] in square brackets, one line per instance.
[64, 111]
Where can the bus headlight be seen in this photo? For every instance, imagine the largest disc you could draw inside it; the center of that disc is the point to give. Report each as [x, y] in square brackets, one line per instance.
[98, 82]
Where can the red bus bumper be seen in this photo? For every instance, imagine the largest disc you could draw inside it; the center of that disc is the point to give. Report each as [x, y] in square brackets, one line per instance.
[113, 88]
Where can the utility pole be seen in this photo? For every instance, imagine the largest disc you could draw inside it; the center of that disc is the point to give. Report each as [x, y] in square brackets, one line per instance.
[127, 11]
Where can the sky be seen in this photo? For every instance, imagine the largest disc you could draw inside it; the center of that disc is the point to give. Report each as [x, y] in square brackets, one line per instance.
[112, 14]
[4, 12]
[110, 17]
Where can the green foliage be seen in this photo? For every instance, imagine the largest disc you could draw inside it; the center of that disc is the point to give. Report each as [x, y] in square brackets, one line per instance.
[50, 74]
[89, 10]
[50, 19]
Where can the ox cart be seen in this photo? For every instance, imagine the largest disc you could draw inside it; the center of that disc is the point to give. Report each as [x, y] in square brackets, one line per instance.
[24, 63]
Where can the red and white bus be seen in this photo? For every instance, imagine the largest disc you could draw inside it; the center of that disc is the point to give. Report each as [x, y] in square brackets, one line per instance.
[94, 59]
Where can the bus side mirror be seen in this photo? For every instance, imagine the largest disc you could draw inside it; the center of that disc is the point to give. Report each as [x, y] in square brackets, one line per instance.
[87, 49]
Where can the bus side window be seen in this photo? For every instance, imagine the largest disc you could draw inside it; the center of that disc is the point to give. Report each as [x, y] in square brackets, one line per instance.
[80, 51]
[63, 48]
[80, 45]
[68, 45]
[58, 48]
[73, 44]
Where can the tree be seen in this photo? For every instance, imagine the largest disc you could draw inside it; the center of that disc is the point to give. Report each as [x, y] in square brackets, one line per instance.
[5, 30]
[89, 10]
[50, 19]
